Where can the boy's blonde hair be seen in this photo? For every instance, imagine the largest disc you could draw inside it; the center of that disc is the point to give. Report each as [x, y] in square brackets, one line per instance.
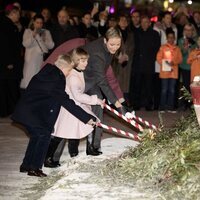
[79, 54]
[64, 60]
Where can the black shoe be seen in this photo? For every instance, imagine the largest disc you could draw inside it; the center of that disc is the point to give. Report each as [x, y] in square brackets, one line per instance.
[73, 155]
[92, 151]
[97, 150]
[23, 169]
[38, 173]
[51, 164]
[57, 163]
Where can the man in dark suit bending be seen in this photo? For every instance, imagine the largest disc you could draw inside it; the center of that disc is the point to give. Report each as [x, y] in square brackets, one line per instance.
[38, 110]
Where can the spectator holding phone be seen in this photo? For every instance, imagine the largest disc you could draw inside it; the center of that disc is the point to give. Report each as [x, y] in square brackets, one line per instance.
[37, 42]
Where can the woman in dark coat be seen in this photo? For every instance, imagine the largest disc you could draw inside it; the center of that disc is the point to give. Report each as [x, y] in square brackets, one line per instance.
[38, 110]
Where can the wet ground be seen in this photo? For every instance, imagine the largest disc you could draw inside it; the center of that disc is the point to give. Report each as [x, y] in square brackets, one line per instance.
[73, 179]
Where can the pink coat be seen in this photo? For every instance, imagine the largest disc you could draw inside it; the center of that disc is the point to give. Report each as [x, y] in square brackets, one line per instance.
[68, 126]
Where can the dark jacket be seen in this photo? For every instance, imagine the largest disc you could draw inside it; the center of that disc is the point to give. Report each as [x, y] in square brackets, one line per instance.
[61, 34]
[10, 49]
[87, 32]
[147, 44]
[98, 63]
[45, 94]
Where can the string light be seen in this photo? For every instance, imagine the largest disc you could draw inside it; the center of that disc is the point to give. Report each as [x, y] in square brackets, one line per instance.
[189, 2]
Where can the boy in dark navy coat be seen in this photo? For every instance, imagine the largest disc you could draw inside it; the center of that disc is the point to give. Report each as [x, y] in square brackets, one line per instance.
[38, 110]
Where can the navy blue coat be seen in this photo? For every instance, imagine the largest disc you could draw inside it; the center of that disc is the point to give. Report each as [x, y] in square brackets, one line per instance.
[43, 98]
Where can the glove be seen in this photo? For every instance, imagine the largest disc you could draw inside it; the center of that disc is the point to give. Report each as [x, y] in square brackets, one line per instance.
[130, 115]
[122, 110]
[128, 108]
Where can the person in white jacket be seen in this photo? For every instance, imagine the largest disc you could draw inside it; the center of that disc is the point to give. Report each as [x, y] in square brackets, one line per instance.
[37, 42]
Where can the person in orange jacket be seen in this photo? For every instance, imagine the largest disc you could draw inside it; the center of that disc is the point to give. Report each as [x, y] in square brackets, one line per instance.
[168, 56]
[194, 61]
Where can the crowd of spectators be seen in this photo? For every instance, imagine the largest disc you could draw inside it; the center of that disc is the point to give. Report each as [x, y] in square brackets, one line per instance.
[135, 66]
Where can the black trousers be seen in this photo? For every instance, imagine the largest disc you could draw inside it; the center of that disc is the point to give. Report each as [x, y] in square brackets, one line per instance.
[73, 146]
[141, 90]
[57, 145]
[37, 148]
[9, 95]
[54, 143]
[185, 78]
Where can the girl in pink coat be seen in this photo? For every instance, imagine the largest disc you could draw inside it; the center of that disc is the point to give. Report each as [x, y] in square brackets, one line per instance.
[67, 126]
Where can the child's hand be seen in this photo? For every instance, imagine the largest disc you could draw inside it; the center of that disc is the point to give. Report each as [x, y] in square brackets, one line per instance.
[91, 122]
[101, 102]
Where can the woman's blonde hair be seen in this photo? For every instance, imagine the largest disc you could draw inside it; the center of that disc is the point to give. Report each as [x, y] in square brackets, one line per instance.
[79, 54]
[113, 32]
[64, 60]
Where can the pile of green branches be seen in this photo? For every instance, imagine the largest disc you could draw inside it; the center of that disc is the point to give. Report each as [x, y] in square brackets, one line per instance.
[168, 163]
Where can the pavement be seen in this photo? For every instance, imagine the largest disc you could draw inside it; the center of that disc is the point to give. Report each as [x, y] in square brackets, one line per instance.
[68, 181]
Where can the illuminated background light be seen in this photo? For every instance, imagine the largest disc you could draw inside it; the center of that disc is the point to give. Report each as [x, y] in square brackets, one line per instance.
[170, 9]
[112, 9]
[166, 4]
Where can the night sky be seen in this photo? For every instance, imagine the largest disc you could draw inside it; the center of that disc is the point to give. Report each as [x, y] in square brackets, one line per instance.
[36, 5]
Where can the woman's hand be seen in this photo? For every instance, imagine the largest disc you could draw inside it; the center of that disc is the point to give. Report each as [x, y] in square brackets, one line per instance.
[35, 32]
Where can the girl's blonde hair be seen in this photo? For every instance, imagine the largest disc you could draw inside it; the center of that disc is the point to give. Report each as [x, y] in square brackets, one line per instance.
[79, 54]
[64, 61]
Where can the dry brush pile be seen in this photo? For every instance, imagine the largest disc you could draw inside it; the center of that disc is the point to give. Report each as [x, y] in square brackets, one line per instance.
[168, 163]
